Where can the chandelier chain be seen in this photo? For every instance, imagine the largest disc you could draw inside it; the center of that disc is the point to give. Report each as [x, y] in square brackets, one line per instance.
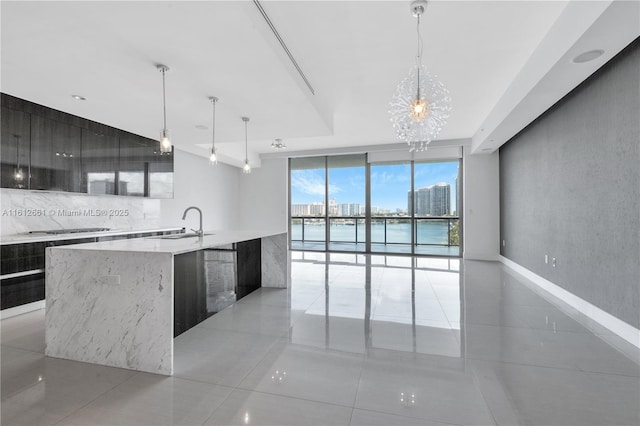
[419, 57]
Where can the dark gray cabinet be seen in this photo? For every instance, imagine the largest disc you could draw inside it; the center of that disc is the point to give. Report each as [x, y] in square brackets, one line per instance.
[99, 165]
[46, 149]
[55, 155]
[144, 170]
[15, 149]
[207, 281]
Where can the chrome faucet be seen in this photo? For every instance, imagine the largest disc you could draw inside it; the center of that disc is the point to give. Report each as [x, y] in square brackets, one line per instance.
[199, 232]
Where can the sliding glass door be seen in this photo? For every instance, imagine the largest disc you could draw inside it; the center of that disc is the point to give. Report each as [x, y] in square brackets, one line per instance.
[342, 203]
[347, 207]
[391, 226]
[435, 199]
[308, 195]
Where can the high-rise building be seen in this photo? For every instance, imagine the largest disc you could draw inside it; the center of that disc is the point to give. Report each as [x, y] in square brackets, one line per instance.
[316, 209]
[333, 207]
[299, 209]
[422, 199]
[440, 199]
[434, 200]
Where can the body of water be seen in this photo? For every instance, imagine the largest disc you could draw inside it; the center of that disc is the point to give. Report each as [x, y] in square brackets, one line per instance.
[428, 232]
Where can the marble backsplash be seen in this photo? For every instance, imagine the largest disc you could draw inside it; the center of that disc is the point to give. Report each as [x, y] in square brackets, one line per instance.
[24, 211]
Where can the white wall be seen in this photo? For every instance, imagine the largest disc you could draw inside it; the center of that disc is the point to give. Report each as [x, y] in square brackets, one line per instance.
[481, 233]
[263, 200]
[212, 188]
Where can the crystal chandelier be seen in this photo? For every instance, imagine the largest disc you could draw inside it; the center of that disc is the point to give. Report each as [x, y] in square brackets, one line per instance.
[421, 105]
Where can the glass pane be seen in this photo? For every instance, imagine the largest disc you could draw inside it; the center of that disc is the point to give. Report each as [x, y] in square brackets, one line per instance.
[313, 229]
[101, 183]
[161, 179]
[436, 188]
[391, 207]
[399, 231]
[131, 183]
[308, 188]
[390, 189]
[347, 186]
[435, 200]
[432, 231]
[99, 160]
[346, 201]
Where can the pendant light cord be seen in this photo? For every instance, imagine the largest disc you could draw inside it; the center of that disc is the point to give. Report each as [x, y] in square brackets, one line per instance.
[246, 155]
[213, 131]
[17, 151]
[164, 102]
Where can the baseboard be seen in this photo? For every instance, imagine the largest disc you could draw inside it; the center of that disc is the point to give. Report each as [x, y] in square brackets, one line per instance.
[605, 319]
[22, 309]
[480, 256]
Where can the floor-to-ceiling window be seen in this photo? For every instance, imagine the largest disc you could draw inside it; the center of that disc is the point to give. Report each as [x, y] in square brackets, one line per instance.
[391, 207]
[346, 193]
[308, 199]
[343, 203]
[435, 199]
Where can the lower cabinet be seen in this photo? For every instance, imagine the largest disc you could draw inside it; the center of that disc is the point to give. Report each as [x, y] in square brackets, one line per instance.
[22, 267]
[207, 281]
[20, 290]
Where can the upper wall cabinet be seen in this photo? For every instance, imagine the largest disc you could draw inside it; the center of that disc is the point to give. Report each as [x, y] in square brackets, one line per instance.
[55, 155]
[46, 149]
[144, 170]
[15, 149]
[99, 164]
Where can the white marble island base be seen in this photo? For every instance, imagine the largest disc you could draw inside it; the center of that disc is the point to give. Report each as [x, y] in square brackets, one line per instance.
[92, 317]
[110, 304]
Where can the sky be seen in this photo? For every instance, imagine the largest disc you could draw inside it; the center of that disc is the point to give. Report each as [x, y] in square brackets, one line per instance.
[389, 183]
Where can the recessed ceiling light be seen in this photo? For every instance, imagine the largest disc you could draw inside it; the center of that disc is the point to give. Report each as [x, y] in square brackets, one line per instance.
[201, 127]
[588, 56]
[79, 98]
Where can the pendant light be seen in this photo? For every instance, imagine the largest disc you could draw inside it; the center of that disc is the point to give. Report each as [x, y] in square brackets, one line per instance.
[421, 105]
[247, 168]
[19, 174]
[213, 158]
[165, 143]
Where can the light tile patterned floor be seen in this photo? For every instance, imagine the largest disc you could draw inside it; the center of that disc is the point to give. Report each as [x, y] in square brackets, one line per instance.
[356, 340]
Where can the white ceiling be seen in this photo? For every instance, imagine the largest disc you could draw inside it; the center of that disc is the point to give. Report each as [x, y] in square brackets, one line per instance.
[504, 63]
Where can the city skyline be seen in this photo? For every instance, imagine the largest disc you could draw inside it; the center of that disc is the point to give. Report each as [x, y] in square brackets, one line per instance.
[389, 184]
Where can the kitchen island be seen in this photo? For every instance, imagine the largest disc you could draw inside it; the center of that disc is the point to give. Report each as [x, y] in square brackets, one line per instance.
[112, 303]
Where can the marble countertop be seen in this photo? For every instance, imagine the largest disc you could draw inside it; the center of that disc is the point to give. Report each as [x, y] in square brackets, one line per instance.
[215, 238]
[36, 238]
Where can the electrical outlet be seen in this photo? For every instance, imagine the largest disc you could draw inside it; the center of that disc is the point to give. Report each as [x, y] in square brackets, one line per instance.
[504, 243]
[553, 262]
[546, 259]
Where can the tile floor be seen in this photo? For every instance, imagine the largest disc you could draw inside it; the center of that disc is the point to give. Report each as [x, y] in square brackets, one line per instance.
[356, 340]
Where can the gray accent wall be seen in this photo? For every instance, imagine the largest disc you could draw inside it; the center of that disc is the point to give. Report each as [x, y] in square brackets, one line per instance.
[570, 188]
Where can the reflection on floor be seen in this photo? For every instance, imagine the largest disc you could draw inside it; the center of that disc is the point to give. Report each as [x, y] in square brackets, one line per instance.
[356, 340]
[391, 248]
